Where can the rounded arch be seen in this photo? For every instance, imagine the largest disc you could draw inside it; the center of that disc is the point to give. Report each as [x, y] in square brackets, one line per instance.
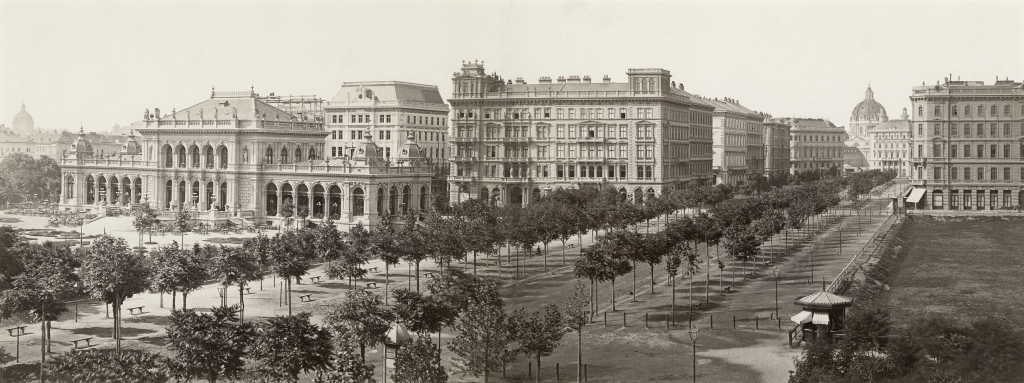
[168, 193]
[302, 199]
[168, 155]
[69, 187]
[319, 201]
[284, 156]
[515, 196]
[101, 189]
[393, 200]
[424, 205]
[269, 156]
[495, 196]
[623, 194]
[312, 154]
[271, 203]
[406, 198]
[536, 195]
[484, 196]
[380, 200]
[222, 154]
[298, 154]
[181, 155]
[127, 192]
[286, 194]
[638, 195]
[194, 195]
[334, 202]
[358, 202]
[650, 194]
[208, 156]
[193, 152]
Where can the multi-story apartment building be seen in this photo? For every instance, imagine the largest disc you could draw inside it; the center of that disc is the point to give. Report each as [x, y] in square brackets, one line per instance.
[739, 142]
[513, 142]
[817, 144]
[890, 143]
[389, 110]
[967, 145]
[776, 147]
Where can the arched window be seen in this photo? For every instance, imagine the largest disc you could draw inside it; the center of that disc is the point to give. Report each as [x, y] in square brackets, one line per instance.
[357, 202]
[270, 156]
[181, 156]
[209, 157]
[223, 157]
[312, 154]
[298, 155]
[169, 155]
[194, 150]
[284, 155]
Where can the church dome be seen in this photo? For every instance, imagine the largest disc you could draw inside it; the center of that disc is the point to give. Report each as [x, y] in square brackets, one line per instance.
[23, 121]
[869, 110]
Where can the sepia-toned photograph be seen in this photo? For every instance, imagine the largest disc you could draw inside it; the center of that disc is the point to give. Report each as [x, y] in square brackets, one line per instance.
[777, 191]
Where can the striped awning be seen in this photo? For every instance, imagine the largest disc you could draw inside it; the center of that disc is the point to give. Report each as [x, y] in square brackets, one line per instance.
[802, 317]
[915, 196]
[820, 318]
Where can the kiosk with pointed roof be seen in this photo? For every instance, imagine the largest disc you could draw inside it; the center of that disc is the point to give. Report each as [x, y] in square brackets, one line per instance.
[823, 315]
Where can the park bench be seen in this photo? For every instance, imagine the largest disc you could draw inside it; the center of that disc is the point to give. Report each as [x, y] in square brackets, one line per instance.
[728, 288]
[306, 297]
[16, 331]
[247, 290]
[133, 310]
[87, 340]
[371, 285]
[372, 270]
[767, 263]
[314, 279]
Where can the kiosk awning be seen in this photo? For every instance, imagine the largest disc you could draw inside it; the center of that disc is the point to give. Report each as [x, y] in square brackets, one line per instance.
[820, 318]
[802, 317]
[915, 196]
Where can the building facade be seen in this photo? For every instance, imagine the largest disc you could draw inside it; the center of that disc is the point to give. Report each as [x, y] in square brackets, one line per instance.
[236, 156]
[776, 147]
[817, 145]
[865, 115]
[513, 142]
[967, 145]
[890, 145]
[739, 141]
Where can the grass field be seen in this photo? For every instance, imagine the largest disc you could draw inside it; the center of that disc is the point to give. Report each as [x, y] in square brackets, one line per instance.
[963, 268]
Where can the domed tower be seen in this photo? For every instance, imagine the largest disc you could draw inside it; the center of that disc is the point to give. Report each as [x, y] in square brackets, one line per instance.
[130, 147]
[81, 148]
[866, 114]
[23, 123]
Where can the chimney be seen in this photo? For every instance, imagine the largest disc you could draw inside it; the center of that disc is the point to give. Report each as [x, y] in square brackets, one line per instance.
[544, 80]
[607, 80]
[575, 79]
[586, 79]
[519, 80]
[681, 86]
[561, 79]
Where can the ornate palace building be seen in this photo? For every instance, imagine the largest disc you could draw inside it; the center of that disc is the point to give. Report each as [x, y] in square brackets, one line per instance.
[967, 146]
[513, 142]
[816, 144]
[237, 156]
[776, 147]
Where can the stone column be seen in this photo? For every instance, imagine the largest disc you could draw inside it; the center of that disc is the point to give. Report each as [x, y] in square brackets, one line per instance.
[280, 197]
[203, 195]
[110, 189]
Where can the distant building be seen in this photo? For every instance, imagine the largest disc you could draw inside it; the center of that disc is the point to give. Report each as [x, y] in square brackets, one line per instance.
[865, 115]
[777, 139]
[23, 124]
[739, 141]
[967, 146]
[513, 142]
[817, 144]
[890, 145]
[11, 142]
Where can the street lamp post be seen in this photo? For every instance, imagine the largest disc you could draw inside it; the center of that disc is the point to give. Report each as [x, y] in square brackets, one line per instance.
[840, 240]
[776, 272]
[693, 337]
[812, 263]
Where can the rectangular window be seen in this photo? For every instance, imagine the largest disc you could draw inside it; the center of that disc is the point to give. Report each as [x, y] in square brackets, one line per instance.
[981, 111]
[981, 173]
[572, 113]
[967, 199]
[967, 151]
[954, 109]
[981, 151]
[920, 151]
[1006, 151]
[937, 173]
[937, 201]
[547, 112]
[622, 112]
[993, 112]
[560, 171]
[967, 130]
[560, 131]
[967, 174]
[938, 129]
[561, 113]
[938, 111]
[992, 130]
[992, 151]
[622, 151]
[572, 131]
[952, 151]
[572, 151]
[920, 129]
[937, 150]
[572, 171]
[600, 114]
[993, 174]
[1006, 129]
[953, 173]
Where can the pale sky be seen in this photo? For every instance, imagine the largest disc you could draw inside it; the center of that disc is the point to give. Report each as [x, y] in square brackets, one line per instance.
[101, 63]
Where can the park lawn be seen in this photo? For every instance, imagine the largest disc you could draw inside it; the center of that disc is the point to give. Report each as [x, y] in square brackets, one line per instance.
[962, 268]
